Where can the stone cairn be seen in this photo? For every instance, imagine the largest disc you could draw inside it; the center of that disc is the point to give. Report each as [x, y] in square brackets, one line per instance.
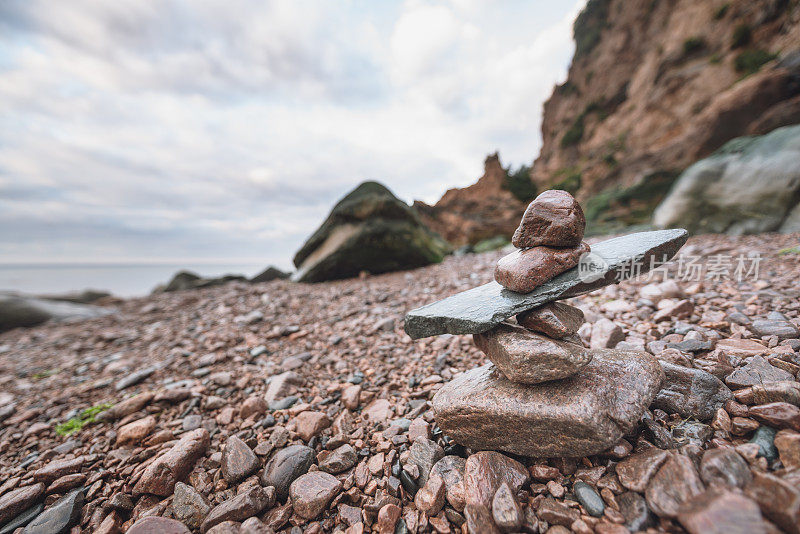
[545, 394]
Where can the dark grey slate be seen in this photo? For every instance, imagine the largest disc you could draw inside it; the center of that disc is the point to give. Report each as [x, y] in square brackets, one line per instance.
[59, 516]
[482, 308]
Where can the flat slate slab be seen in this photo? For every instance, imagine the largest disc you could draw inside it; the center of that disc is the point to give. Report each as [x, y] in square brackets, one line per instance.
[482, 308]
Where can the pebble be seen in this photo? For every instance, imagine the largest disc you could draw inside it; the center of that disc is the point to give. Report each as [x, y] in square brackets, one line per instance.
[18, 500]
[721, 511]
[555, 320]
[285, 466]
[605, 334]
[529, 358]
[423, 454]
[238, 460]
[764, 437]
[675, 484]
[724, 467]
[158, 525]
[189, 506]
[174, 466]
[58, 517]
[311, 493]
[589, 498]
[340, 459]
[247, 503]
[691, 392]
[777, 414]
[309, 424]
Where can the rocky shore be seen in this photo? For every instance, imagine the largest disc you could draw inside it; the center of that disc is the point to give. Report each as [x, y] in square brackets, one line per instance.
[306, 408]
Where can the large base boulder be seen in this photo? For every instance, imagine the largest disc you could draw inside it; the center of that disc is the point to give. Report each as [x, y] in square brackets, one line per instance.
[576, 416]
[368, 230]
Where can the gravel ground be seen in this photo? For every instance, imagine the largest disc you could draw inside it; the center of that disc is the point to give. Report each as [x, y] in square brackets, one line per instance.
[220, 398]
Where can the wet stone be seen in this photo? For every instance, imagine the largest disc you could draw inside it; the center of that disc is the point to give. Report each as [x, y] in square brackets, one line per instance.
[481, 308]
[341, 459]
[675, 484]
[451, 470]
[19, 499]
[59, 516]
[21, 519]
[158, 525]
[721, 511]
[555, 320]
[635, 511]
[311, 493]
[506, 511]
[188, 506]
[724, 467]
[764, 437]
[777, 415]
[485, 471]
[238, 460]
[285, 466]
[528, 358]
[522, 271]
[788, 444]
[583, 414]
[782, 328]
[692, 432]
[755, 372]
[779, 500]
[556, 513]
[173, 466]
[691, 392]
[479, 519]
[589, 498]
[554, 218]
[244, 505]
[424, 453]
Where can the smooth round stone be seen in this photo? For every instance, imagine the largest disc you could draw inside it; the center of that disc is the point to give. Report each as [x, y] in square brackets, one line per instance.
[580, 415]
[524, 270]
[589, 498]
[554, 218]
[285, 466]
[528, 358]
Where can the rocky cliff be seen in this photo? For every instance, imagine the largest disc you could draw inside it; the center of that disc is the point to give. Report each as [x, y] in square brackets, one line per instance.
[656, 85]
[485, 209]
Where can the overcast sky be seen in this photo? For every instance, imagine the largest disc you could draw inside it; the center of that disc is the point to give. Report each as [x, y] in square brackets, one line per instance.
[188, 129]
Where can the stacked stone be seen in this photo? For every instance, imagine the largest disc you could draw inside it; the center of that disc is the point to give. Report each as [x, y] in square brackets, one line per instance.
[545, 394]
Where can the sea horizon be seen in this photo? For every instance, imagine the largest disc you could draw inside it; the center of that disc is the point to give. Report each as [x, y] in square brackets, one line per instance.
[121, 278]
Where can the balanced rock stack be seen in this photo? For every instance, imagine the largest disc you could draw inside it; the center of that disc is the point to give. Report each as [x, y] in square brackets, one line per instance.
[544, 394]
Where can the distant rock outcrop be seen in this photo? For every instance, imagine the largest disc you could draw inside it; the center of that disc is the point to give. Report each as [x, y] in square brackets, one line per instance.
[188, 280]
[368, 230]
[655, 86]
[481, 211]
[750, 185]
[22, 311]
[269, 274]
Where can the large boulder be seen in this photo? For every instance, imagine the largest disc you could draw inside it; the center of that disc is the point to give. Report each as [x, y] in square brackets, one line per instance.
[750, 185]
[21, 311]
[368, 230]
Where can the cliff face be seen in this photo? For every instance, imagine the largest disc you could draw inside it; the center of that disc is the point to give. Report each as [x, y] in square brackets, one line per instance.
[483, 210]
[656, 85]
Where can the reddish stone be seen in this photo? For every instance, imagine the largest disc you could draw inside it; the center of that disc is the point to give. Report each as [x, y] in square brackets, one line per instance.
[554, 219]
[525, 270]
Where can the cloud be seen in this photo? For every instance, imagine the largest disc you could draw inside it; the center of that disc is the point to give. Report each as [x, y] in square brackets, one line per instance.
[142, 128]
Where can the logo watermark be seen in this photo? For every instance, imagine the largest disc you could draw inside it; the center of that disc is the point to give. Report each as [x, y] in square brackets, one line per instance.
[684, 268]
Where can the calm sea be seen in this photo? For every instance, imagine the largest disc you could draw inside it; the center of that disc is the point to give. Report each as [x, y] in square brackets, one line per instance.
[123, 280]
